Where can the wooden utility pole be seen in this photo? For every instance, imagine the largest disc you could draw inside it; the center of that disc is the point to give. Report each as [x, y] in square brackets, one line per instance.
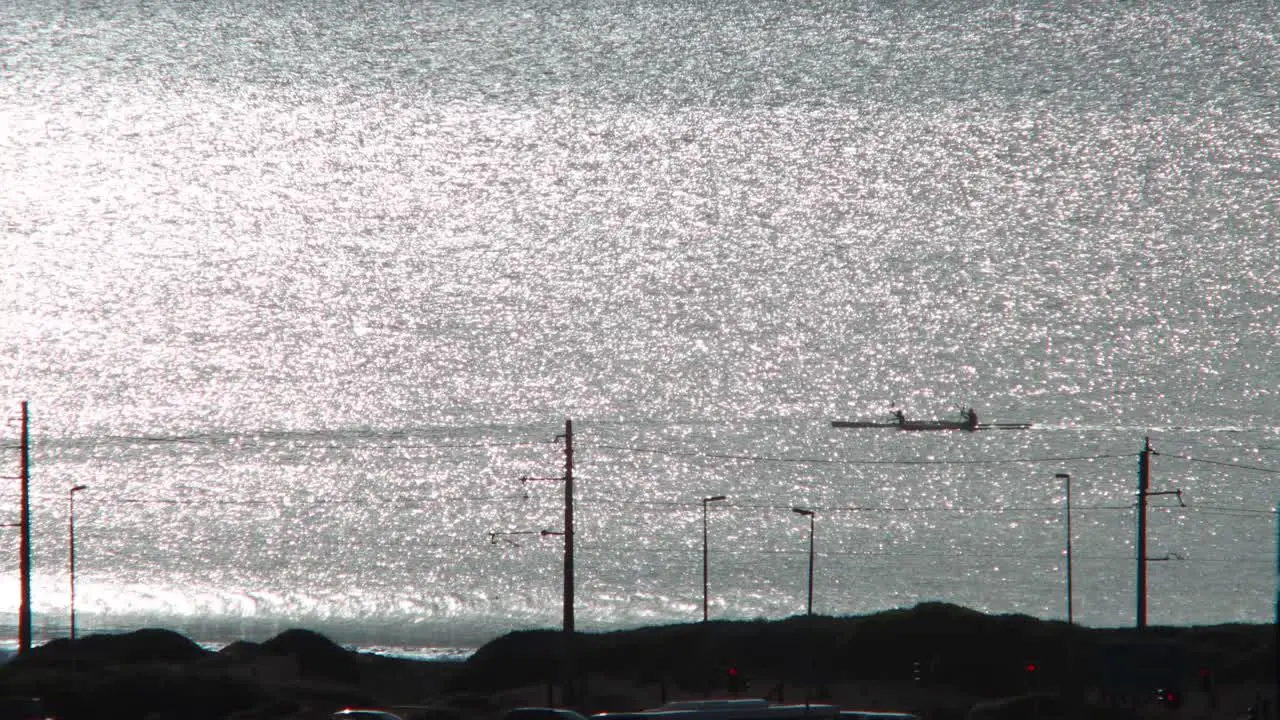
[24, 549]
[568, 529]
[568, 666]
[570, 694]
[1144, 491]
[1144, 482]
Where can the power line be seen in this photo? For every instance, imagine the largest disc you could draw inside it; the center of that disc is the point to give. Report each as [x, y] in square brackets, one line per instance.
[301, 502]
[854, 508]
[1222, 463]
[1219, 510]
[966, 556]
[828, 461]
[420, 502]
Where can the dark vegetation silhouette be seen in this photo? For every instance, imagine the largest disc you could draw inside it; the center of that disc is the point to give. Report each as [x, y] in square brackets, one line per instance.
[937, 659]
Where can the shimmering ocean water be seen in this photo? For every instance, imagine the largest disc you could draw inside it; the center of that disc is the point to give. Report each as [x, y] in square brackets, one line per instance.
[301, 290]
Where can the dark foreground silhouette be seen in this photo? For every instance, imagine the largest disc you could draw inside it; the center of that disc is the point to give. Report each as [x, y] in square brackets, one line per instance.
[938, 660]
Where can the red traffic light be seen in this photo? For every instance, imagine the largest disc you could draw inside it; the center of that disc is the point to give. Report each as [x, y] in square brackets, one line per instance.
[735, 683]
[1206, 679]
[1030, 667]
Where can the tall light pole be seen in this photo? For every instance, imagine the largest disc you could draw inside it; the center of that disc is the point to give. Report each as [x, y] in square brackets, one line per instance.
[1066, 478]
[706, 500]
[809, 608]
[809, 514]
[71, 552]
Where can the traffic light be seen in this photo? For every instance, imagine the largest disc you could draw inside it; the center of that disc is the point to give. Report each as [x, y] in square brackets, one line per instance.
[1206, 680]
[1031, 671]
[1208, 687]
[734, 681]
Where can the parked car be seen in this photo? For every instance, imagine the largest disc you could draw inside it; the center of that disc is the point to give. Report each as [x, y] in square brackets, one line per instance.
[364, 714]
[23, 708]
[542, 713]
[728, 709]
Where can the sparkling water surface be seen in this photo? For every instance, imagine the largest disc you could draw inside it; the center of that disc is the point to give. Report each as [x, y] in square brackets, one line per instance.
[302, 290]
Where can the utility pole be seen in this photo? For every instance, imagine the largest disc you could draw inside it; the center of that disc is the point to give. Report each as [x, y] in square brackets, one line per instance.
[569, 663]
[568, 530]
[24, 550]
[569, 694]
[1144, 482]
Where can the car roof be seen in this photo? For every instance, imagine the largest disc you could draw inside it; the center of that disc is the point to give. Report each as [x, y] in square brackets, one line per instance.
[364, 714]
[543, 713]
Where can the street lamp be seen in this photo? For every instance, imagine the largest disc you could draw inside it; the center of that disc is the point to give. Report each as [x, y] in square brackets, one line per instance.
[809, 514]
[809, 614]
[1067, 480]
[71, 552]
[706, 500]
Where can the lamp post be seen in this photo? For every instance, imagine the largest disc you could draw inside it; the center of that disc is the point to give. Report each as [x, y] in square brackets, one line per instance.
[71, 552]
[809, 608]
[1066, 478]
[810, 515]
[705, 501]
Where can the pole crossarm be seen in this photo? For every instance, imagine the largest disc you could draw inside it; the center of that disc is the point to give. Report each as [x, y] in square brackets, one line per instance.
[506, 535]
[1169, 492]
[526, 479]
